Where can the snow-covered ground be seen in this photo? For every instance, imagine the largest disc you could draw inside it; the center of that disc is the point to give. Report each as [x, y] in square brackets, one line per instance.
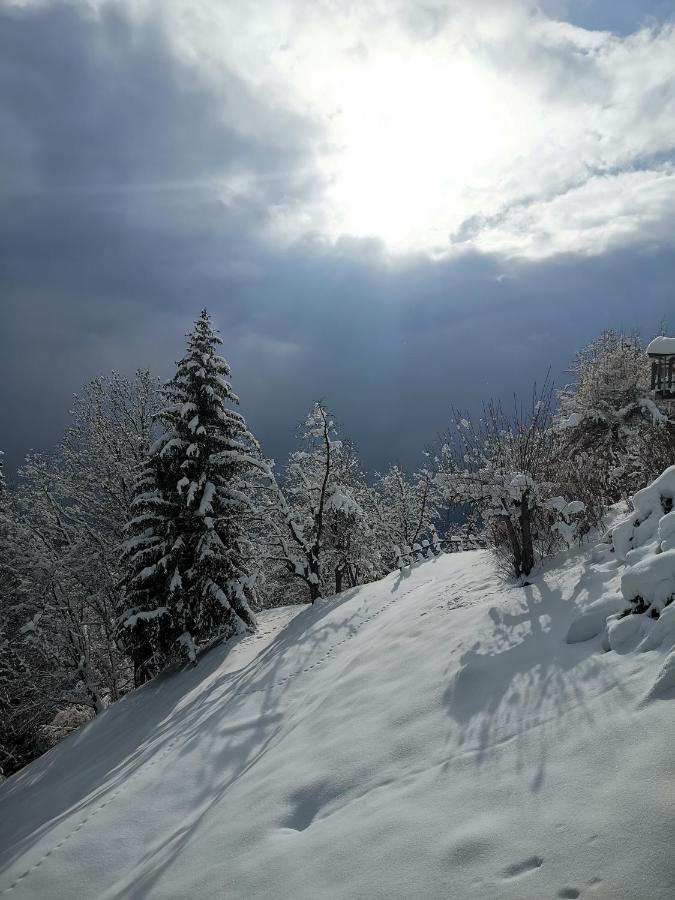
[431, 735]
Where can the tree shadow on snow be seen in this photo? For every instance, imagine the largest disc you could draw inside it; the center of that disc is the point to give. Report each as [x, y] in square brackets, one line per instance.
[521, 682]
[195, 710]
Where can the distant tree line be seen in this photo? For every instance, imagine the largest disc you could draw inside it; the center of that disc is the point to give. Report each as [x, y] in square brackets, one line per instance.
[157, 526]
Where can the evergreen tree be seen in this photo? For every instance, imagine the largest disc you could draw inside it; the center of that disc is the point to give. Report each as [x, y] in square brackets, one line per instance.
[187, 555]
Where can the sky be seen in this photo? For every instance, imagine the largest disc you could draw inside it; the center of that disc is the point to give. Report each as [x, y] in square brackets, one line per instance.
[397, 206]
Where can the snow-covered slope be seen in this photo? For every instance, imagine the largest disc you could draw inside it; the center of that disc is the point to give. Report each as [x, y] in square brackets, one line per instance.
[431, 735]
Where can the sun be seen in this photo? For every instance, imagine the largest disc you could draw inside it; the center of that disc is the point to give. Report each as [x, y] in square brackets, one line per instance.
[413, 143]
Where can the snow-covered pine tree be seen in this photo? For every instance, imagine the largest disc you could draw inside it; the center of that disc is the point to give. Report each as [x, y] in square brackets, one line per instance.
[187, 553]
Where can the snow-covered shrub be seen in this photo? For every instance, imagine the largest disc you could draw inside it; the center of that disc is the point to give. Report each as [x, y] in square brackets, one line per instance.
[606, 417]
[645, 541]
[651, 450]
[64, 723]
[505, 470]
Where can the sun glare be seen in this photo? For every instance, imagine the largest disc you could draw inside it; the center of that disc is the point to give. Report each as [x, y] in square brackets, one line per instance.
[412, 141]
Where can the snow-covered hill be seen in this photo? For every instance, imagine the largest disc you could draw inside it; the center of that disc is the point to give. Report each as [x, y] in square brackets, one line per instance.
[431, 735]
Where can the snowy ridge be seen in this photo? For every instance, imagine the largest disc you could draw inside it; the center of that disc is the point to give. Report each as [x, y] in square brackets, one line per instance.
[429, 735]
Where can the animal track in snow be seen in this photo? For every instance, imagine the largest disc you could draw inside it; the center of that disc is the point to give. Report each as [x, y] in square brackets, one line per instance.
[569, 893]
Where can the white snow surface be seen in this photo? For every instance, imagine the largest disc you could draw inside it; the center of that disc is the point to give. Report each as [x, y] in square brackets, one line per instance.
[646, 541]
[428, 736]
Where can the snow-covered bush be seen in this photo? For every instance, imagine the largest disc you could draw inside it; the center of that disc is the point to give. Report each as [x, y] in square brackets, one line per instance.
[64, 723]
[607, 420]
[645, 541]
[504, 469]
[651, 450]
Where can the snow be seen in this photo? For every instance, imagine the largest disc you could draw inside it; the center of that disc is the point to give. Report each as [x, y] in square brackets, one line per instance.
[341, 500]
[650, 504]
[431, 735]
[661, 344]
[646, 541]
[206, 504]
[519, 484]
[130, 619]
[625, 634]
[593, 617]
[570, 421]
[652, 578]
[658, 418]
[665, 680]
[176, 582]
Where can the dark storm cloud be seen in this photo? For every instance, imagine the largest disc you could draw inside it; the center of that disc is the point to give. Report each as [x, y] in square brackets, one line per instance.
[115, 229]
[112, 161]
[392, 350]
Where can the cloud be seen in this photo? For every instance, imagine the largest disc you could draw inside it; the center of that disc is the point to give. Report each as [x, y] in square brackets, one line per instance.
[603, 213]
[428, 116]
[425, 127]
[158, 158]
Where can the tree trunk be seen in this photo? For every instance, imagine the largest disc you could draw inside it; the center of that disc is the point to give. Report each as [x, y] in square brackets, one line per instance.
[516, 553]
[527, 563]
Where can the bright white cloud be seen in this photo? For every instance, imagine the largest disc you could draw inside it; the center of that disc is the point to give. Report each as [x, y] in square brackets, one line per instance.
[439, 126]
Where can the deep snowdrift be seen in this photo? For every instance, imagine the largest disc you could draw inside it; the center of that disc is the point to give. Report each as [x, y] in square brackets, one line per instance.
[431, 735]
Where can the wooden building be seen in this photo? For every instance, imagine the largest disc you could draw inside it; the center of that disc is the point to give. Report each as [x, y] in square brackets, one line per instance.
[661, 351]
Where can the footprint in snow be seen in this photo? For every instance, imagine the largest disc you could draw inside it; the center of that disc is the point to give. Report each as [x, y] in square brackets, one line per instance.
[524, 867]
[569, 893]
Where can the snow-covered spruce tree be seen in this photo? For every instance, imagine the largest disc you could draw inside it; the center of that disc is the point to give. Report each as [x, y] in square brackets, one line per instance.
[187, 553]
[504, 469]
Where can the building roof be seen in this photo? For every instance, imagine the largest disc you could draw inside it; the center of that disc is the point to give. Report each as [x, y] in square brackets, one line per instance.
[661, 346]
